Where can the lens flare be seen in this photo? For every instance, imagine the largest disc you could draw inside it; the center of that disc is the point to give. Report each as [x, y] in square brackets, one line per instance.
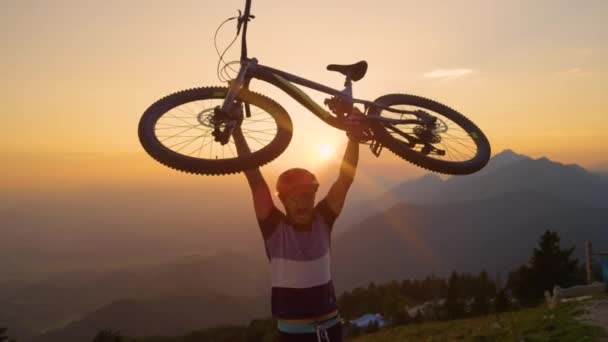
[326, 151]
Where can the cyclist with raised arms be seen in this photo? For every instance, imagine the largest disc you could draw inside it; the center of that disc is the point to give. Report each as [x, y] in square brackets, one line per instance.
[298, 245]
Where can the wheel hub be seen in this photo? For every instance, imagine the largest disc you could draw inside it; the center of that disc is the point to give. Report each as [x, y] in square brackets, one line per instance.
[427, 135]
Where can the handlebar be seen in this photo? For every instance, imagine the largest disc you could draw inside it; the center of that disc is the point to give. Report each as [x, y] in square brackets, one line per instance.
[246, 16]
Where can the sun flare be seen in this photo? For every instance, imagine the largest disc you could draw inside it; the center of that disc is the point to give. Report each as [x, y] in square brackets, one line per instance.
[326, 151]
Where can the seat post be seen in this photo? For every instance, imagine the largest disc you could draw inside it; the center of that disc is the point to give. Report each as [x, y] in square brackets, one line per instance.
[348, 87]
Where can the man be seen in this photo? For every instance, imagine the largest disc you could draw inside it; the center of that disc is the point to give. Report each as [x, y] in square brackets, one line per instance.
[298, 245]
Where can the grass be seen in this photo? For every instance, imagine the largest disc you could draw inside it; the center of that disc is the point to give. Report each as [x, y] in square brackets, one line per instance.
[532, 324]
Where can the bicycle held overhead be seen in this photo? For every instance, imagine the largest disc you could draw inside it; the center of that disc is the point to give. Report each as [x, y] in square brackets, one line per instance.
[191, 130]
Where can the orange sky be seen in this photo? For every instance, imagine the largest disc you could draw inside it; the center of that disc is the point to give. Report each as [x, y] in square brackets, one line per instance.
[77, 75]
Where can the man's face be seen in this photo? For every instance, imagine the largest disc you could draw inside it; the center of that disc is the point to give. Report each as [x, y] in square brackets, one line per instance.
[300, 205]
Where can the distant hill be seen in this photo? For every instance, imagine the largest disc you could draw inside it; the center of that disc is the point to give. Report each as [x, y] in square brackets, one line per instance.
[54, 301]
[355, 211]
[160, 316]
[498, 213]
[600, 167]
[568, 182]
[109, 228]
[506, 172]
[494, 234]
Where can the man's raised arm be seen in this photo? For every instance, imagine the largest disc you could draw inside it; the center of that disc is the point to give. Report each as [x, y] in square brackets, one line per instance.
[262, 198]
[337, 193]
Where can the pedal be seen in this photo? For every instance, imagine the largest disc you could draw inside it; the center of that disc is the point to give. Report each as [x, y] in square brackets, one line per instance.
[426, 149]
[247, 110]
[376, 147]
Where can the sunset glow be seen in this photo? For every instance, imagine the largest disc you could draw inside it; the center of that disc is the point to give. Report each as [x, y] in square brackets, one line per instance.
[516, 71]
[326, 151]
[152, 165]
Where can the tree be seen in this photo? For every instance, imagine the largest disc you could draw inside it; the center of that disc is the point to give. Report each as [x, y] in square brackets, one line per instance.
[454, 304]
[502, 301]
[393, 303]
[354, 330]
[484, 290]
[108, 335]
[548, 266]
[554, 266]
[3, 335]
[400, 317]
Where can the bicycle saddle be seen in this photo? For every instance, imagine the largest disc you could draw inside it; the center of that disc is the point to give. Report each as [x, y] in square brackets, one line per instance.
[353, 71]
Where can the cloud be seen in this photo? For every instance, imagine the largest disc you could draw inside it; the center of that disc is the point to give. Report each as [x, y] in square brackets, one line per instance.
[582, 51]
[569, 133]
[574, 73]
[448, 74]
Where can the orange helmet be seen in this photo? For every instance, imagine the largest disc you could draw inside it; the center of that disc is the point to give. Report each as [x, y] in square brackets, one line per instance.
[296, 179]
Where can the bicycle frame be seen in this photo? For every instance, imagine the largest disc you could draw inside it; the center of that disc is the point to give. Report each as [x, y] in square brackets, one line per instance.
[285, 81]
[250, 69]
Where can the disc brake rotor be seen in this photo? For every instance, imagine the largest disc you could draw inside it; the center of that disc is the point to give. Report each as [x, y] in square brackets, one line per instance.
[204, 118]
[429, 134]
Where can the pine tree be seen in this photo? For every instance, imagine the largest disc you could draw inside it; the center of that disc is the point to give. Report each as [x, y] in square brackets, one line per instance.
[484, 290]
[549, 266]
[3, 336]
[108, 335]
[454, 302]
[552, 265]
[502, 301]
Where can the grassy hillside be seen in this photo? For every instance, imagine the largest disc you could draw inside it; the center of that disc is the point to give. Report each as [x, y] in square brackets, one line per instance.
[534, 324]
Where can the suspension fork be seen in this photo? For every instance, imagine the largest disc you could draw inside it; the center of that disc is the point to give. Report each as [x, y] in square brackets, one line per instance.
[227, 109]
[235, 87]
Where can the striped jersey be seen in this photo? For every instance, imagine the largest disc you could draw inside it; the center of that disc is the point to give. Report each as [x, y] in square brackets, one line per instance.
[299, 259]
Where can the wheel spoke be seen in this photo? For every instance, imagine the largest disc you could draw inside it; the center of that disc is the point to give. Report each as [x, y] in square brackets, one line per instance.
[193, 112]
[191, 141]
[456, 150]
[246, 122]
[230, 148]
[449, 152]
[171, 127]
[261, 132]
[186, 111]
[256, 140]
[202, 144]
[181, 132]
[456, 140]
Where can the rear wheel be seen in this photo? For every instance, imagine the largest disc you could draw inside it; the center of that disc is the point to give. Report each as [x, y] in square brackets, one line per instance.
[452, 144]
[177, 131]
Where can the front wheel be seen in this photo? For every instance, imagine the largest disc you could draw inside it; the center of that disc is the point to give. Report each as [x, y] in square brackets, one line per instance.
[177, 131]
[450, 144]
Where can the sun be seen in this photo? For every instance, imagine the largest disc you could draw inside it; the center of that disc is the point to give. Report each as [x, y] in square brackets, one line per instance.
[326, 151]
